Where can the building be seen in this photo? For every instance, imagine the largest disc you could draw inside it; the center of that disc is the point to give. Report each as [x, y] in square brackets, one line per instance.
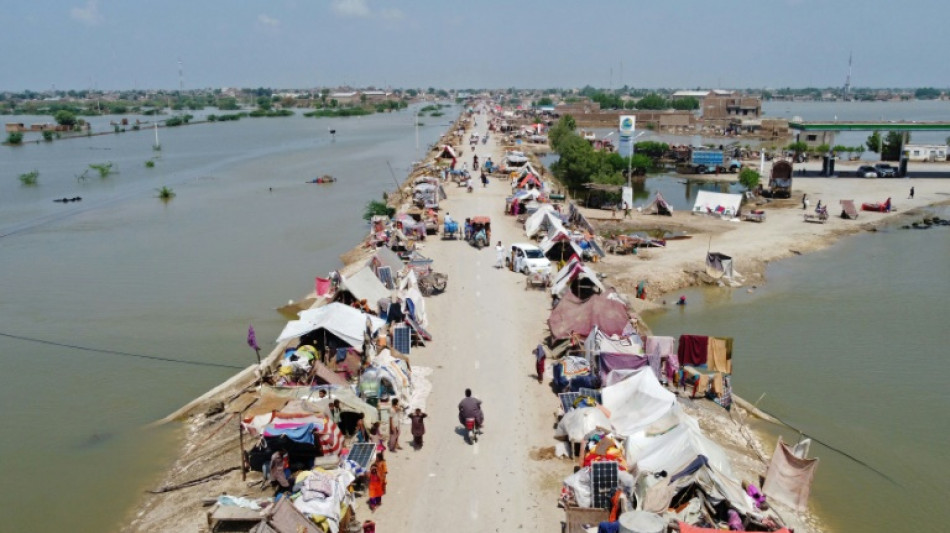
[722, 111]
[925, 152]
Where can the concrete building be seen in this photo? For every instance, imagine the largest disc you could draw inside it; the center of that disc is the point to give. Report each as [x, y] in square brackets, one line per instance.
[925, 152]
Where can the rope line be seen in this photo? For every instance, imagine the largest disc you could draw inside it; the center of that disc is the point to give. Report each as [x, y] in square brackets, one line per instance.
[120, 353]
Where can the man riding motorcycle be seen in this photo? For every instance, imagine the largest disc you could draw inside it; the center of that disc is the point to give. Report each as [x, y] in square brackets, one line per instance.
[471, 407]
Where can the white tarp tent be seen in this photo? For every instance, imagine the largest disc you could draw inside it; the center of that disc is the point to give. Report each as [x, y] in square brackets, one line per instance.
[365, 285]
[341, 320]
[576, 424]
[572, 270]
[717, 203]
[637, 402]
[409, 290]
[534, 223]
[671, 443]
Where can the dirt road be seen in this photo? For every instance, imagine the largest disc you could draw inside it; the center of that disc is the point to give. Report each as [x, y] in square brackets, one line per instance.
[485, 327]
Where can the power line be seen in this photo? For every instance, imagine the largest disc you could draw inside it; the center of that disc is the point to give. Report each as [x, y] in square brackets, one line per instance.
[117, 352]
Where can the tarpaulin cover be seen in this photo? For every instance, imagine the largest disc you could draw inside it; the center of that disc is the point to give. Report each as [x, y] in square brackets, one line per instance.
[578, 423]
[341, 320]
[637, 402]
[545, 216]
[686, 528]
[616, 361]
[718, 203]
[671, 443]
[789, 478]
[693, 350]
[302, 434]
[581, 316]
[574, 270]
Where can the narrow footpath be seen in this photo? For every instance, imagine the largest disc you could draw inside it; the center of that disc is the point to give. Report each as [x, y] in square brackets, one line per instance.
[485, 327]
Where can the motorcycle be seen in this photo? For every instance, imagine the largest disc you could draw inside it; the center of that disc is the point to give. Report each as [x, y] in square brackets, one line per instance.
[471, 430]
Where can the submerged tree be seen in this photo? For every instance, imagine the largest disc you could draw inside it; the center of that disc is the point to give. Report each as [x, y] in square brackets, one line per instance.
[165, 193]
[30, 178]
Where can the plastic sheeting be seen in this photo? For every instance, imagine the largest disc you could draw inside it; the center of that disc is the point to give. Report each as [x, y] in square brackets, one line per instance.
[576, 424]
[789, 478]
[544, 217]
[574, 269]
[584, 316]
[343, 321]
[671, 443]
[717, 203]
[637, 402]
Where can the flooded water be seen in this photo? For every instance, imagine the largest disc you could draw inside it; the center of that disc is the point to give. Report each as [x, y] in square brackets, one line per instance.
[123, 271]
[846, 345]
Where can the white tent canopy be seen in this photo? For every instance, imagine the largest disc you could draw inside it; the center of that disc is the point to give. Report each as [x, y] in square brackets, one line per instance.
[577, 423]
[341, 320]
[544, 217]
[637, 402]
[710, 202]
[364, 284]
[572, 270]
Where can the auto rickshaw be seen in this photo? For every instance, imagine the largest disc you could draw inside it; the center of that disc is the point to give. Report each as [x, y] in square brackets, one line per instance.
[481, 232]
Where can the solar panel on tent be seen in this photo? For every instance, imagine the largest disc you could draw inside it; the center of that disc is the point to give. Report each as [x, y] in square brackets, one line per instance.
[385, 275]
[603, 477]
[568, 399]
[593, 393]
[402, 338]
[362, 454]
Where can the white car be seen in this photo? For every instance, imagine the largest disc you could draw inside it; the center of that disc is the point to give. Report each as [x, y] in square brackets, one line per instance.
[528, 259]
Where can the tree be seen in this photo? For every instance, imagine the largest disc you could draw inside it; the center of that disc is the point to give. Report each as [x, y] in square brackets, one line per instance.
[799, 148]
[749, 178]
[652, 101]
[376, 208]
[685, 104]
[893, 143]
[822, 149]
[14, 137]
[363, 98]
[65, 118]
[927, 93]
[264, 102]
[544, 101]
[874, 142]
[565, 126]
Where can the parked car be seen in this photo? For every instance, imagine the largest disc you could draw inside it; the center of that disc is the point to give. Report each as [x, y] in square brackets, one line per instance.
[528, 259]
[867, 171]
[885, 171]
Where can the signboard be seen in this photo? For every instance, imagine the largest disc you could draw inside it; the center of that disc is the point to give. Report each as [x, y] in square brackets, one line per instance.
[628, 123]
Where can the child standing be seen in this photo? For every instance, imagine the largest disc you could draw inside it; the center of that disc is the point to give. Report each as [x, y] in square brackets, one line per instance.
[418, 427]
[377, 481]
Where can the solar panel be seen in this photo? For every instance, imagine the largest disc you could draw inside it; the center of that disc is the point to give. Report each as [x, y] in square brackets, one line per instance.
[593, 393]
[362, 454]
[385, 275]
[568, 399]
[603, 477]
[402, 339]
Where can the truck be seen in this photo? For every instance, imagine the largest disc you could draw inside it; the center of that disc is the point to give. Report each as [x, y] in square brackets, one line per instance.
[709, 162]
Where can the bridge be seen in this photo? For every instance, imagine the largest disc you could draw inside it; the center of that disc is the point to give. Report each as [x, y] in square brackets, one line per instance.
[847, 125]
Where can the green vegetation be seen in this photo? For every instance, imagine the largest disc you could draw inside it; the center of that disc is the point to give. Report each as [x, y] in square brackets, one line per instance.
[749, 178]
[65, 117]
[104, 169]
[47, 135]
[874, 142]
[338, 112]
[228, 104]
[377, 208]
[179, 120]
[544, 101]
[799, 148]
[927, 93]
[150, 164]
[14, 137]
[30, 178]
[270, 113]
[436, 114]
[892, 145]
[165, 193]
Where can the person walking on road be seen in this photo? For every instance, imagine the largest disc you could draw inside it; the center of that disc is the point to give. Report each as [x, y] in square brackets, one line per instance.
[499, 255]
[539, 359]
[911, 193]
[394, 423]
[418, 427]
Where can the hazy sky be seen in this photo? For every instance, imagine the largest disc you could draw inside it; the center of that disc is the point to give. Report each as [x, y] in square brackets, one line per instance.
[76, 44]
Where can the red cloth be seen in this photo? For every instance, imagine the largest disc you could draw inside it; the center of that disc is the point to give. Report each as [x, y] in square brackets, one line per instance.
[693, 350]
[322, 286]
[686, 528]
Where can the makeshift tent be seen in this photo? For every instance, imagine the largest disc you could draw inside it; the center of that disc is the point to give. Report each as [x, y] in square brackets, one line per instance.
[789, 477]
[447, 152]
[343, 321]
[671, 443]
[720, 267]
[409, 292]
[364, 285]
[637, 402]
[545, 217]
[602, 311]
[559, 246]
[515, 159]
[576, 424]
[529, 181]
[717, 203]
[578, 279]
[325, 493]
[659, 206]
[386, 375]
[686, 528]
[716, 487]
